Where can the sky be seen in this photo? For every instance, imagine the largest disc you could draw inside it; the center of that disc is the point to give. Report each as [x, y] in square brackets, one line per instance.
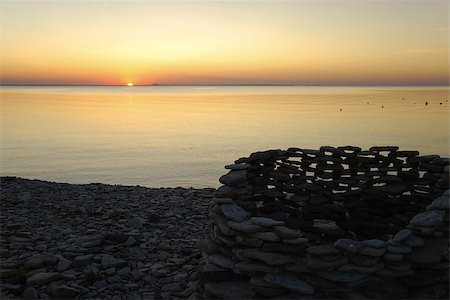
[225, 42]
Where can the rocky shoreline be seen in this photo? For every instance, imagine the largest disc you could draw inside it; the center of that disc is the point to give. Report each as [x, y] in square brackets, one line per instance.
[100, 241]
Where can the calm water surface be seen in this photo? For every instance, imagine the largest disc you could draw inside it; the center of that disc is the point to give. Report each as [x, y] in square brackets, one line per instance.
[183, 136]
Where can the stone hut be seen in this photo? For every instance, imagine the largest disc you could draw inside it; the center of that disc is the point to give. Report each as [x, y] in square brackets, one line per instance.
[333, 223]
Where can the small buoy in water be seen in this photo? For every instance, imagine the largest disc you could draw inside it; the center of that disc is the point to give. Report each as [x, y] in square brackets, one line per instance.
[340, 109]
[426, 102]
[403, 98]
[440, 103]
[382, 106]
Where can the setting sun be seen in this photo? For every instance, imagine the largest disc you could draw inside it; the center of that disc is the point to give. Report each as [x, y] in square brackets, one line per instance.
[130, 84]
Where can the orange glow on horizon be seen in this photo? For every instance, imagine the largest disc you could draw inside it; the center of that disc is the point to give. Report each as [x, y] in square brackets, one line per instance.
[298, 42]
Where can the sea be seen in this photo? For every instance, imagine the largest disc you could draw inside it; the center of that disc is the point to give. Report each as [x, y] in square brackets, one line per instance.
[171, 136]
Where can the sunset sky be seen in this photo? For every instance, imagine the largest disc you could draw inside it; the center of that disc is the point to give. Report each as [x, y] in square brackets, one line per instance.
[233, 42]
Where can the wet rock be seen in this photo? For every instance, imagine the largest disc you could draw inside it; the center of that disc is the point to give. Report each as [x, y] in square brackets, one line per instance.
[414, 241]
[401, 235]
[374, 243]
[266, 236]
[253, 266]
[286, 233]
[440, 203]
[245, 226]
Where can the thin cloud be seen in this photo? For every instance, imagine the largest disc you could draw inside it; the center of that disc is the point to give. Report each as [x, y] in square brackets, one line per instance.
[425, 51]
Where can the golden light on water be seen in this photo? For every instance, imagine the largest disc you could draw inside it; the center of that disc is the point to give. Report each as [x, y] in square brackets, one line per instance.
[130, 84]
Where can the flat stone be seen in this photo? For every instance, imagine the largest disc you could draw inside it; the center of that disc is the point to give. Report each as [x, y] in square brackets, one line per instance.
[401, 235]
[245, 226]
[269, 258]
[234, 177]
[253, 266]
[374, 243]
[64, 292]
[234, 212]
[291, 282]
[394, 188]
[221, 223]
[414, 241]
[230, 290]
[316, 263]
[34, 263]
[280, 247]
[247, 241]
[40, 279]
[400, 249]
[268, 222]
[428, 218]
[369, 251]
[135, 222]
[109, 261]
[286, 233]
[348, 245]
[63, 265]
[243, 166]
[82, 260]
[297, 241]
[266, 236]
[30, 294]
[222, 261]
[342, 276]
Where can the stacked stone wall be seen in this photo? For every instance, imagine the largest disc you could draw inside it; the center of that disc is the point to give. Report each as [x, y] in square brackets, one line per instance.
[334, 223]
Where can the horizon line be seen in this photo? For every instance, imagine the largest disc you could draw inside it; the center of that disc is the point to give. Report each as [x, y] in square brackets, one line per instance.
[245, 84]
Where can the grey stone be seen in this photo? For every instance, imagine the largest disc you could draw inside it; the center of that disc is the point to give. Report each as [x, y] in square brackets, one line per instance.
[222, 261]
[374, 243]
[348, 245]
[234, 177]
[230, 290]
[297, 241]
[414, 241]
[246, 241]
[361, 269]
[245, 226]
[221, 223]
[30, 294]
[342, 276]
[124, 272]
[286, 233]
[34, 263]
[369, 251]
[238, 166]
[264, 221]
[440, 203]
[291, 282]
[108, 261]
[265, 236]
[401, 235]
[234, 212]
[269, 258]
[400, 249]
[130, 241]
[40, 279]
[315, 262]
[82, 260]
[64, 292]
[298, 266]
[428, 218]
[135, 222]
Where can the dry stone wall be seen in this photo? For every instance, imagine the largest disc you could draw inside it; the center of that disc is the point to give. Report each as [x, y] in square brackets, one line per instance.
[334, 223]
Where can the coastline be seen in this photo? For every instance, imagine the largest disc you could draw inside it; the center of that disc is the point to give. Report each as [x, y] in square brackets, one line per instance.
[98, 240]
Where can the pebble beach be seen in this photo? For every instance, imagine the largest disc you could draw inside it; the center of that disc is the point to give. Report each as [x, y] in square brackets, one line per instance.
[100, 241]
